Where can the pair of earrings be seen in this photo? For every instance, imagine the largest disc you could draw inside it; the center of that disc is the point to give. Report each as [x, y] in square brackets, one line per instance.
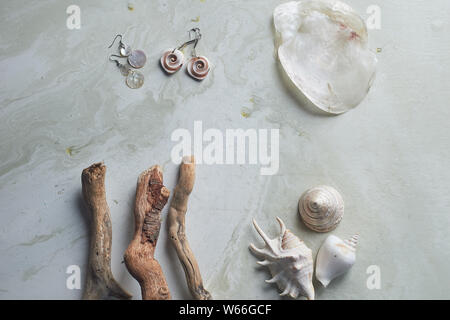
[173, 59]
[135, 58]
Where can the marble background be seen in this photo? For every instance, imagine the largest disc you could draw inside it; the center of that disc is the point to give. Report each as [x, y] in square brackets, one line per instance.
[63, 106]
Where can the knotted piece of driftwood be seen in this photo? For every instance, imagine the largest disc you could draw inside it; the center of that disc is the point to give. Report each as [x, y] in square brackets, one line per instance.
[177, 229]
[100, 283]
[151, 197]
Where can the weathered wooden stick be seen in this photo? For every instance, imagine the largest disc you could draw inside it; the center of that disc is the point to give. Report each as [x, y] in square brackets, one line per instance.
[100, 283]
[177, 234]
[151, 197]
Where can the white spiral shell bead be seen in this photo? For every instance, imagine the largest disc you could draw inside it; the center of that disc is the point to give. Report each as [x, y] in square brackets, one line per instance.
[172, 60]
[198, 67]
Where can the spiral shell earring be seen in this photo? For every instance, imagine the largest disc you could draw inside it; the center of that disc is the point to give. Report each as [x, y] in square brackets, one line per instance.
[198, 66]
[136, 58]
[173, 59]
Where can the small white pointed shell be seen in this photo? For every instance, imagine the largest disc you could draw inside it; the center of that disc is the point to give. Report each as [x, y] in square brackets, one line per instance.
[172, 60]
[198, 67]
[321, 208]
[335, 257]
[323, 49]
[289, 261]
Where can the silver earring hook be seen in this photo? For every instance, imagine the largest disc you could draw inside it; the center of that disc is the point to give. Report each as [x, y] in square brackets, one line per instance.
[124, 69]
[115, 60]
[197, 34]
[184, 45]
[197, 37]
[124, 49]
[121, 43]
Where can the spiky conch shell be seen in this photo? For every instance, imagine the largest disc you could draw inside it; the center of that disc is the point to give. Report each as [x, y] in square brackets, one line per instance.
[321, 208]
[172, 60]
[335, 257]
[289, 261]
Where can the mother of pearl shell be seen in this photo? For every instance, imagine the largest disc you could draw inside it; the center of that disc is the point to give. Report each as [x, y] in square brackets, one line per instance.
[135, 80]
[125, 51]
[137, 59]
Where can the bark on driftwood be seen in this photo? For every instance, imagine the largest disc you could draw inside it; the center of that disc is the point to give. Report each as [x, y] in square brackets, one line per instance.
[151, 197]
[177, 230]
[100, 283]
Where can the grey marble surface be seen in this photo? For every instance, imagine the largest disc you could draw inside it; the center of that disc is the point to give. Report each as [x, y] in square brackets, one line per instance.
[63, 106]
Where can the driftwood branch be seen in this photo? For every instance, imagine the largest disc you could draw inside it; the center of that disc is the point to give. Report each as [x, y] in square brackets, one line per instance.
[177, 230]
[100, 283]
[151, 197]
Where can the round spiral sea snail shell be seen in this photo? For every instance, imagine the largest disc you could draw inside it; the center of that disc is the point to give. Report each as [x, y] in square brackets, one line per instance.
[198, 67]
[172, 60]
[321, 208]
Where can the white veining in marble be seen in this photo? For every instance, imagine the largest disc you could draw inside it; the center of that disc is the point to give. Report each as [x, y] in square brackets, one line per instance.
[63, 106]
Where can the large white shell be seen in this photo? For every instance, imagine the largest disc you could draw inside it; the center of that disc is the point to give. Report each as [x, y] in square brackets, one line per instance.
[323, 50]
[321, 208]
[335, 257]
[289, 261]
